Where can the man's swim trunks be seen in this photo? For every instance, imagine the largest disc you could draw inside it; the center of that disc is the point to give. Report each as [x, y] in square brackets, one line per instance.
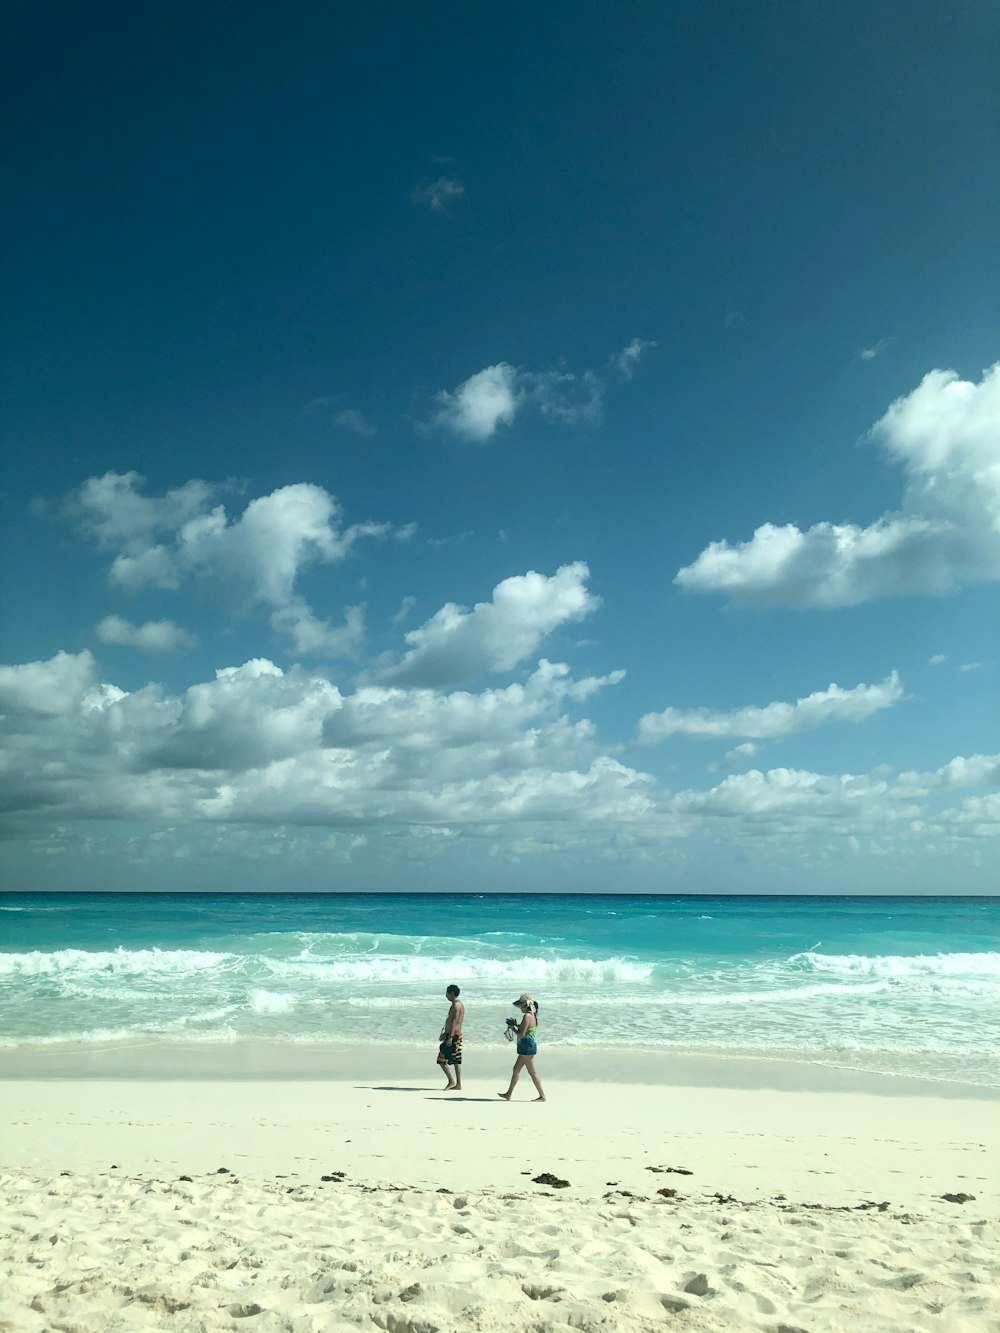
[450, 1052]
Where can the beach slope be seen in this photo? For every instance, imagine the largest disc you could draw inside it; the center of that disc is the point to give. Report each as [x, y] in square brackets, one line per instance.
[290, 1204]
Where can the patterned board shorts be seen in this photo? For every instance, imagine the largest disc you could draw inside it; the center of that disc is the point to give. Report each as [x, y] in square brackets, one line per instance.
[450, 1052]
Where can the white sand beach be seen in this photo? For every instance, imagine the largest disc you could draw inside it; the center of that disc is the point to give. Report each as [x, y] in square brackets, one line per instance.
[804, 1199]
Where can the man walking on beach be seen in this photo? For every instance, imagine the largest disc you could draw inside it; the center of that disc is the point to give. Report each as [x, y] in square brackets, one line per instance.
[450, 1049]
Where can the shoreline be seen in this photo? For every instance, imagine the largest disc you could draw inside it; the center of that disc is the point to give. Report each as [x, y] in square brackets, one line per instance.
[306, 1062]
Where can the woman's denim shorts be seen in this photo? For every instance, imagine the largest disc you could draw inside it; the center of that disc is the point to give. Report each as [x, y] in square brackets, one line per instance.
[527, 1046]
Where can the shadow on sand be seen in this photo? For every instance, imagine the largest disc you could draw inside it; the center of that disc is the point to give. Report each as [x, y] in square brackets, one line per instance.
[451, 1098]
[388, 1087]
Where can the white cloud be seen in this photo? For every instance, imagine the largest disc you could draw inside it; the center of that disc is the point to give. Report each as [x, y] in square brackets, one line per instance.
[970, 666]
[249, 716]
[782, 792]
[495, 396]
[313, 637]
[870, 353]
[112, 509]
[457, 644]
[626, 362]
[806, 816]
[440, 194]
[482, 403]
[351, 419]
[945, 534]
[257, 745]
[977, 770]
[776, 719]
[255, 558]
[258, 748]
[156, 636]
[738, 757]
[938, 659]
[61, 684]
[977, 817]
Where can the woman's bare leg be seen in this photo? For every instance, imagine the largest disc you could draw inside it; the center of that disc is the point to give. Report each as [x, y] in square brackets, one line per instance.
[519, 1064]
[529, 1064]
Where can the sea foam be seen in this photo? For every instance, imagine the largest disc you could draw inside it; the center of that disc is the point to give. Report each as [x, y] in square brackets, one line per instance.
[898, 966]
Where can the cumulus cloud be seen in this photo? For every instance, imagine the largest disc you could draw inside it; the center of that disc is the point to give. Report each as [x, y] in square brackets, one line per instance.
[977, 770]
[457, 644]
[64, 683]
[495, 396]
[313, 637]
[757, 799]
[113, 509]
[776, 719]
[251, 715]
[977, 817]
[797, 803]
[257, 753]
[256, 556]
[482, 403]
[440, 194]
[946, 533]
[156, 636]
[258, 745]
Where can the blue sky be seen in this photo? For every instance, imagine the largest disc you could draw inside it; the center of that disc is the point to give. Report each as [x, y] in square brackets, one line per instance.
[520, 448]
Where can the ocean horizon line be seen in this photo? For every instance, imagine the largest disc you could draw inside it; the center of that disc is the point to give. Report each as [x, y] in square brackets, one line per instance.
[488, 893]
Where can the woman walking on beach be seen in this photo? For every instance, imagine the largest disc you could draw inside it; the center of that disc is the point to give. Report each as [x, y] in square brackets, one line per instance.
[527, 1046]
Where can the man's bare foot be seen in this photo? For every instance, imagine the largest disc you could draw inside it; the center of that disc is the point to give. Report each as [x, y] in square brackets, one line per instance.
[538, 1099]
[448, 1087]
[504, 1096]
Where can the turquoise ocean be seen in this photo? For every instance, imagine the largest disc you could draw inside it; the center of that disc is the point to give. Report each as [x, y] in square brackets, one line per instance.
[896, 985]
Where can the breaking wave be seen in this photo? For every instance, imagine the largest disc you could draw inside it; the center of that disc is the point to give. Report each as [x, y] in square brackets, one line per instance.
[894, 967]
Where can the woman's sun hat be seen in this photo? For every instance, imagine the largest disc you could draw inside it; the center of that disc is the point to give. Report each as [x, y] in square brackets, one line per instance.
[525, 999]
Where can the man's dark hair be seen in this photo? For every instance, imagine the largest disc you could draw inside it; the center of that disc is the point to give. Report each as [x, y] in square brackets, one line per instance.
[453, 990]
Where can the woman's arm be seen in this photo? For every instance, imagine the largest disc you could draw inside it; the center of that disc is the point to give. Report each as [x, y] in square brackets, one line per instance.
[528, 1021]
